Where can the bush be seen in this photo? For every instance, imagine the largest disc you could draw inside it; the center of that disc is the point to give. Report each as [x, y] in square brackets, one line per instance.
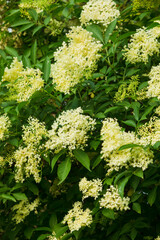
[79, 120]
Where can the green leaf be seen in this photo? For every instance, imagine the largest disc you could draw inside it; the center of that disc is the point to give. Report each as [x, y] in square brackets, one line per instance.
[133, 234]
[64, 169]
[28, 232]
[47, 20]
[138, 173]
[52, 220]
[33, 52]
[100, 115]
[43, 236]
[20, 22]
[11, 51]
[152, 196]
[122, 184]
[20, 196]
[83, 158]
[126, 146]
[125, 35]
[56, 157]
[136, 106]
[109, 30]
[97, 161]
[36, 29]
[46, 68]
[120, 175]
[111, 109]
[7, 197]
[94, 144]
[137, 207]
[33, 14]
[26, 27]
[33, 188]
[96, 30]
[26, 62]
[146, 112]
[14, 142]
[130, 123]
[131, 72]
[60, 229]
[109, 213]
[156, 145]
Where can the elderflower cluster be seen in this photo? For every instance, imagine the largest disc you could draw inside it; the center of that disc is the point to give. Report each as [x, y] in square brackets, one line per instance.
[158, 238]
[70, 131]
[38, 5]
[4, 126]
[99, 11]
[127, 90]
[75, 60]
[150, 132]
[112, 200]
[153, 89]
[33, 132]
[158, 111]
[77, 218]
[22, 83]
[27, 162]
[90, 188]
[53, 237]
[2, 161]
[145, 4]
[23, 209]
[113, 138]
[143, 43]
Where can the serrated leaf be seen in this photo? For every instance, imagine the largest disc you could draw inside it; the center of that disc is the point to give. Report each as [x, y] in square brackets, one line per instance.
[26, 61]
[46, 68]
[146, 112]
[20, 196]
[47, 20]
[122, 184]
[23, 28]
[152, 196]
[33, 52]
[96, 30]
[13, 142]
[11, 51]
[97, 161]
[126, 146]
[43, 236]
[7, 197]
[33, 14]
[130, 123]
[83, 158]
[20, 22]
[36, 29]
[111, 109]
[52, 220]
[56, 157]
[64, 169]
[109, 213]
[137, 207]
[138, 173]
[109, 30]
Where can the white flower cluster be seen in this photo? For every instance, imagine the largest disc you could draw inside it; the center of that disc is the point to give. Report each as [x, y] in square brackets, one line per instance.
[4, 126]
[158, 238]
[99, 11]
[22, 83]
[150, 132]
[113, 138]
[76, 60]
[112, 200]
[77, 218]
[153, 89]
[33, 132]
[27, 162]
[70, 131]
[143, 43]
[23, 209]
[53, 237]
[90, 188]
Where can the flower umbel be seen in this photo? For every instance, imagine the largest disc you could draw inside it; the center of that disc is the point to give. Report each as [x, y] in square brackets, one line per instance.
[70, 131]
[113, 200]
[90, 188]
[77, 218]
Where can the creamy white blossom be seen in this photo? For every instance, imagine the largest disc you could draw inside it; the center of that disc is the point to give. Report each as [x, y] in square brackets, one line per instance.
[70, 130]
[90, 188]
[77, 218]
[5, 123]
[76, 61]
[99, 11]
[112, 200]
